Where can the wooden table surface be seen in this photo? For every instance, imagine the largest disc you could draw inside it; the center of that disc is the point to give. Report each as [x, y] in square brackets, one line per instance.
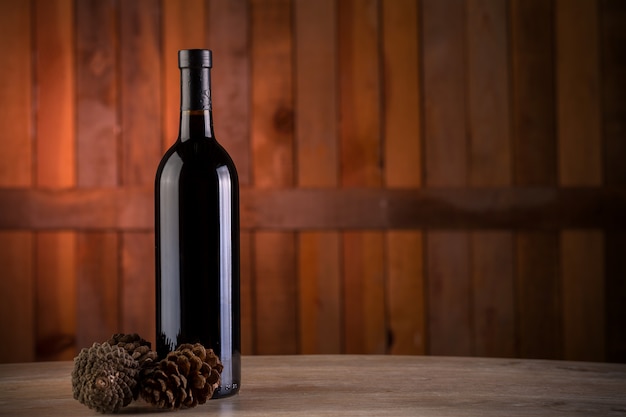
[352, 385]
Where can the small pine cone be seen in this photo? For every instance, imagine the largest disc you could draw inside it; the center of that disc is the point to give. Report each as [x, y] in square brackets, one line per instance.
[187, 377]
[103, 378]
[138, 348]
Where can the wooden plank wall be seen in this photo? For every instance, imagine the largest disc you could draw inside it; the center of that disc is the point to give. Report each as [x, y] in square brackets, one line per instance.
[437, 177]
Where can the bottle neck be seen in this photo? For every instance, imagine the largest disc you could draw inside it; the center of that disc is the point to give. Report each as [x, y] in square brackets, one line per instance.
[196, 119]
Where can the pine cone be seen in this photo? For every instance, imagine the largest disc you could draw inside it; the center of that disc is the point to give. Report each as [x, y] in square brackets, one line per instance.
[187, 377]
[137, 347]
[104, 377]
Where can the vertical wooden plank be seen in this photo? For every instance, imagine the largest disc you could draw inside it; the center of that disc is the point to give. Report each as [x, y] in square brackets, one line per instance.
[488, 118]
[613, 67]
[272, 143]
[247, 295]
[56, 142]
[17, 310]
[137, 304]
[17, 320]
[360, 93]
[140, 86]
[578, 93]
[534, 141]
[272, 97]
[580, 164]
[317, 166]
[56, 295]
[488, 98]
[97, 153]
[15, 90]
[55, 168]
[319, 289]
[365, 328]
[582, 270]
[98, 289]
[96, 79]
[276, 293]
[140, 117]
[229, 39]
[361, 153]
[449, 291]
[405, 287]
[443, 26]
[533, 89]
[316, 98]
[445, 143]
[538, 295]
[406, 308]
[178, 33]
[493, 288]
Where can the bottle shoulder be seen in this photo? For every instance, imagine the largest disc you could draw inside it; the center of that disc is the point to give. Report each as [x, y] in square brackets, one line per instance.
[197, 155]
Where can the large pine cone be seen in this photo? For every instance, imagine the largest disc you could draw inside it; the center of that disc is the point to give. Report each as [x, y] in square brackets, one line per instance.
[103, 378]
[187, 377]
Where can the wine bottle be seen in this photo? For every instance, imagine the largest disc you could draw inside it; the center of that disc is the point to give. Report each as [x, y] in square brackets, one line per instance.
[197, 232]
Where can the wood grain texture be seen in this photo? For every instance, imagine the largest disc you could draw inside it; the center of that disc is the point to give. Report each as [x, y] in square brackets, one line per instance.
[177, 33]
[17, 286]
[229, 39]
[490, 155]
[584, 294]
[493, 293]
[533, 92]
[612, 15]
[316, 133]
[490, 150]
[272, 138]
[447, 260]
[405, 299]
[361, 152]
[364, 292]
[56, 110]
[320, 313]
[405, 293]
[97, 131]
[319, 385]
[247, 294]
[578, 93]
[360, 93]
[140, 93]
[272, 94]
[366, 133]
[56, 299]
[276, 296]
[16, 91]
[539, 295]
[341, 209]
[97, 288]
[613, 64]
[445, 135]
[56, 167]
[580, 163]
[449, 293]
[136, 285]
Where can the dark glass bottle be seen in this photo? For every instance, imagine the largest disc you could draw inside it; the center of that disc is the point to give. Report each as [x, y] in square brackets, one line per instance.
[197, 232]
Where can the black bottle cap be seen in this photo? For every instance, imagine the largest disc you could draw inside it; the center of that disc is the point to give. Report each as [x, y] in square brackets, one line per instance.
[194, 58]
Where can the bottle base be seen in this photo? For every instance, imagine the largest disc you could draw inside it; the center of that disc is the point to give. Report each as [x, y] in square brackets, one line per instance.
[225, 392]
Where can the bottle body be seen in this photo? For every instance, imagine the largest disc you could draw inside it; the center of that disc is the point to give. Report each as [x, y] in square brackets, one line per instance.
[197, 247]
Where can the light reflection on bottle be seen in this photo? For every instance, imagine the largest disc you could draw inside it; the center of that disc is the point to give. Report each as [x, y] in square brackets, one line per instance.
[170, 251]
[226, 276]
